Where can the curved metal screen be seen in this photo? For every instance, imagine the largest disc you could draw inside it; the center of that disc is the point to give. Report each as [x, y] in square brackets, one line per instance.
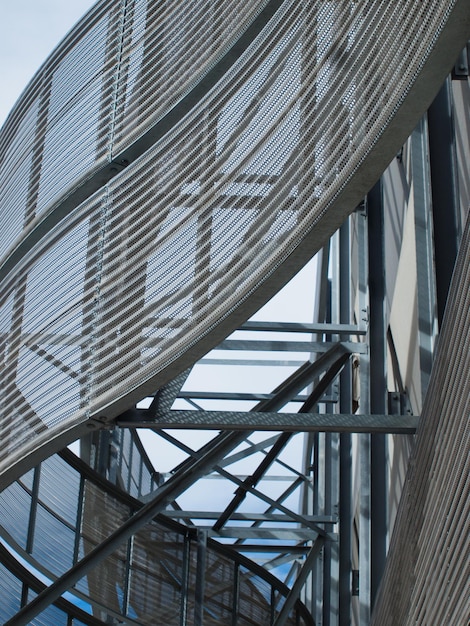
[248, 135]
[121, 69]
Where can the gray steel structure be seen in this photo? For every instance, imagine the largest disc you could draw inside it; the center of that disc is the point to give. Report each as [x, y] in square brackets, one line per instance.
[170, 167]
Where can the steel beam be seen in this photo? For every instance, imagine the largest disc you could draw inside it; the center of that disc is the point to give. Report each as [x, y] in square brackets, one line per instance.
[288, 346]
[270, 533]
[445, 194]
[164, 398]
[268, 362]
[249, 517]
[313, 328]
[235, 594]
[364, 439]
[345, 459]
[269, 548]
[185, 581]
[201, 566]
[378, 385]
[189, 396]
[425, 283]
[289, 422]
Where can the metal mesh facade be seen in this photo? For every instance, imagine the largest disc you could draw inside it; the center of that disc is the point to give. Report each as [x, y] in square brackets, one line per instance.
[237, 190]
[171, 167]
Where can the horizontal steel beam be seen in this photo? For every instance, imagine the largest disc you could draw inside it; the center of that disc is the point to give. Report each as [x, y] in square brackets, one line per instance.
[274, 478]
[247, 397]
[290, 346]
[255, 420]
[271, 534]
[252, 362]
[293, 327]
[251, 517]
[269, 549]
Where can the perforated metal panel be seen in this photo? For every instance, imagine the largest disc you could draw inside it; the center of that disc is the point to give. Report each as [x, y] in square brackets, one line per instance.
[114, 280]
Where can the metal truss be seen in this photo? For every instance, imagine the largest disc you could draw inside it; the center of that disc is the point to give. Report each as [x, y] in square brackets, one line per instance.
[280, 463]
[282, 511]
[287, 468]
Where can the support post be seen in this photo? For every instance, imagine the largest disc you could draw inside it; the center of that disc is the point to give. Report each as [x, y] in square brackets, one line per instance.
[378, 386]
[185, 581]
[236, 593]
[444, 186]
[200, 577]
[31, 526]
[345, 461]
[424, 251]
[364, 439]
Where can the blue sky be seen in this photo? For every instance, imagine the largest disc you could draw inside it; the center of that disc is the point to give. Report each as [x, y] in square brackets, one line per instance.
[29, 30]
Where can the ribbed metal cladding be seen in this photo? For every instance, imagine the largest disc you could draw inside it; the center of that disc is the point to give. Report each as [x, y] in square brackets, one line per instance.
[166, 48]
[58, 131]
[122, 68]
[124, 291]
[427, 579]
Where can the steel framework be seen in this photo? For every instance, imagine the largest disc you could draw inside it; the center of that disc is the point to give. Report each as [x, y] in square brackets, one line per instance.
[236, 468]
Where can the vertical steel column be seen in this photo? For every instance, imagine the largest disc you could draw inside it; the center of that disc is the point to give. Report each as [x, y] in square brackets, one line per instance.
[345, 461]
[78, 520]
[200, 577]
[364, 439]
[364, 531]
[328, 304]
[378, 386]
[102, 460]
[316, 573]
[272, 616]
[333, 315]
[327, 508]
[444, 186]
[185, 581]
[113, 463]
[327, 466]
[127, 577]
[424, 251]
[236, 593]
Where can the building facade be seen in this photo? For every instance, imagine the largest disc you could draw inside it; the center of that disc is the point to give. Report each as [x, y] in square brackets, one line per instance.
[234, 282]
